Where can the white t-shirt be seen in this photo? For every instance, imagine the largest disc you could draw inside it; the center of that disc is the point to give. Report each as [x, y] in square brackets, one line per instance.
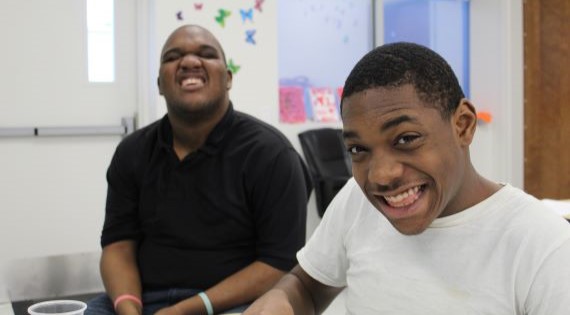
[507, 255]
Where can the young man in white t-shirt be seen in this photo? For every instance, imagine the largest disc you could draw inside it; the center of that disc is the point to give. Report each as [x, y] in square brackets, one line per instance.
[418, 230]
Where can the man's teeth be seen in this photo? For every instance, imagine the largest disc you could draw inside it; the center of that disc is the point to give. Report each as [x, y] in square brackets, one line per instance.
[403, 199]
[191, 81]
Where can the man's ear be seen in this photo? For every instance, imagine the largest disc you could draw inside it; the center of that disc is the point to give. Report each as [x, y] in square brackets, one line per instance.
[159, 87]
[465, 122]
[230, 78]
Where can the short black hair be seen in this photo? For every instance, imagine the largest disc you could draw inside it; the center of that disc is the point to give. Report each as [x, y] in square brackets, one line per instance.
[397, 64]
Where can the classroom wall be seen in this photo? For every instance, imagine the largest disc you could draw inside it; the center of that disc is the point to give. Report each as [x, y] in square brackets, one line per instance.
[495, 81]
[52, 190]
[255, 85]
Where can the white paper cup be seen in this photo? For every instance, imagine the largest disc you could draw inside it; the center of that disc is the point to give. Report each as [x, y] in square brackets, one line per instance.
[60, 307]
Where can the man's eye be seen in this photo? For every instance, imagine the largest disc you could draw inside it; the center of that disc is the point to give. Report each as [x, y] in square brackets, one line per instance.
[171, 57]
[405, 139]
[209, 55]
[355, 149]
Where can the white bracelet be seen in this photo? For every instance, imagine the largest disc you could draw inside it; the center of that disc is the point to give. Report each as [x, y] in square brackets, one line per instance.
[207, 303]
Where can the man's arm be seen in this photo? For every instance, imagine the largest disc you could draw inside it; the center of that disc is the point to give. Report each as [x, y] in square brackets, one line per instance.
[296, 293]
[120, 274]
[242, 287]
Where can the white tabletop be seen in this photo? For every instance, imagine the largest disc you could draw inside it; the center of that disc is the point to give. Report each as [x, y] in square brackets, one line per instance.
[6, 309]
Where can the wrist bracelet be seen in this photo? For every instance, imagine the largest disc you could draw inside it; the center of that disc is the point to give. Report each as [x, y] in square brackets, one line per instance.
[207, 303]
[124, 297]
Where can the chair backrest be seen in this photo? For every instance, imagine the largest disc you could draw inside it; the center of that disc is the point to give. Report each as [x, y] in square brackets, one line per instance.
[328, 163]
[325, 153]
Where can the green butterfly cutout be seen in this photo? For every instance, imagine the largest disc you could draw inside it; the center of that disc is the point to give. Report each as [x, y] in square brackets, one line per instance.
[221, 18]
[233, 67]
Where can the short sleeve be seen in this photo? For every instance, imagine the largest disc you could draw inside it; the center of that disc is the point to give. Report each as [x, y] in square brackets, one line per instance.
[121, 220]
[324, 257]
[279, 199]
[550, 290]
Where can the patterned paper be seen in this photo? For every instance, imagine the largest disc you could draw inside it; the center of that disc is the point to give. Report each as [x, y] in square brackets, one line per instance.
[323, 102]
[291, 104]
[339, 97]
[339, 92]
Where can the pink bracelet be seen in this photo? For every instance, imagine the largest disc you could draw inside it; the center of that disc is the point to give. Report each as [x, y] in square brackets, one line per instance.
[123, 297]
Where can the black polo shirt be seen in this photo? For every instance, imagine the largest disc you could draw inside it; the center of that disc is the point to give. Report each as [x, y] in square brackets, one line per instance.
[242, 197]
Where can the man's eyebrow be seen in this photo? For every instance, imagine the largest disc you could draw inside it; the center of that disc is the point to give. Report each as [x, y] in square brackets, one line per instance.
[208, 47]
[203, 47]
[348, 134]
[396, 121]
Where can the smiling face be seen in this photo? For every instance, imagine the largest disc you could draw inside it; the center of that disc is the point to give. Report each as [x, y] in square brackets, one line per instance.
[193, 77]
[410, 161]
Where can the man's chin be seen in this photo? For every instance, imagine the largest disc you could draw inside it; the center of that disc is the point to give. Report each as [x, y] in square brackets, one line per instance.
[195, 112]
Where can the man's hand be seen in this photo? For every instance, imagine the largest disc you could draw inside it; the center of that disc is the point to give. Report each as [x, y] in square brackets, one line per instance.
[274, 302]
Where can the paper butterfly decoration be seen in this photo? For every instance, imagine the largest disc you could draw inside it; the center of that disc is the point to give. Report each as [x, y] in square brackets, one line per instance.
[198, 6]
[249, 36]
[233, 67]
[221, 18]
[246, 15]
[179, 16]
[258, 4]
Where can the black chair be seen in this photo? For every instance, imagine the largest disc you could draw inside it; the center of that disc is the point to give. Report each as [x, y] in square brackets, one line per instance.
[328, 163]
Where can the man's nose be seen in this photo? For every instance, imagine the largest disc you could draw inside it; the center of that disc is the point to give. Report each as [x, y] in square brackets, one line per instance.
[385, 170]
[190, 61]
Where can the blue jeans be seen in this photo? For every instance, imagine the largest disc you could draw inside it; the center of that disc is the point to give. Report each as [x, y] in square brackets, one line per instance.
[152, 301]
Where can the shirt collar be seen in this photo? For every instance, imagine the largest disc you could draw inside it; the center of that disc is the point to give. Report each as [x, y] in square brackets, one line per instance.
[214, 139]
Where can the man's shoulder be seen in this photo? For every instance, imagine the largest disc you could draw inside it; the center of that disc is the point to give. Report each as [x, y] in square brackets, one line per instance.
[526, 205]
[533, 220]
[261, 132]
[139, 139]
[144, 132]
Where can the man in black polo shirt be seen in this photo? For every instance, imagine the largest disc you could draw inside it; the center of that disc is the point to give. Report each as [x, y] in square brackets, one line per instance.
[206, 208]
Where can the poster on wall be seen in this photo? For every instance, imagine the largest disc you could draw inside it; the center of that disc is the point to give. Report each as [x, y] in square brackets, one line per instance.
[292, 104]
[323, 103]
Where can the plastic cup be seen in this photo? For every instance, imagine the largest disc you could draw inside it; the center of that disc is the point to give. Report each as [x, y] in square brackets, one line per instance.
[60, 307]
